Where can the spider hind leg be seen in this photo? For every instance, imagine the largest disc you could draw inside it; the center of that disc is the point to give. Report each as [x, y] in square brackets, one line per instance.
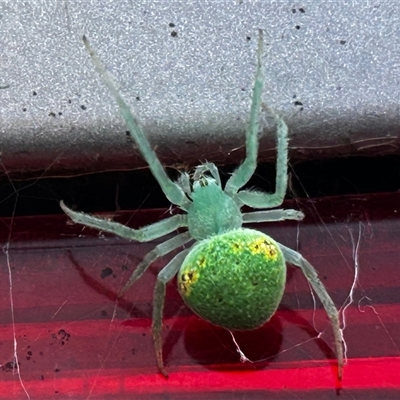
[164, 276]
[295, 258]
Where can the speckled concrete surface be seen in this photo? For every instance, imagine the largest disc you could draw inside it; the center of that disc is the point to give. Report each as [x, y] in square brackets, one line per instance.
[332, 70]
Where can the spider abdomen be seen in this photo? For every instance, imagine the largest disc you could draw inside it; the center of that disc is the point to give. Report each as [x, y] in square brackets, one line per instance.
[234, 280]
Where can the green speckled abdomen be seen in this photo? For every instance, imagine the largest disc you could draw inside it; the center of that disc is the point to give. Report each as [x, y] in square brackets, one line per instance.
[234, 280]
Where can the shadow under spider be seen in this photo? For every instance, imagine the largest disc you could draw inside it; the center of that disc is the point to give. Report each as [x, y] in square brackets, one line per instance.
[175, 308]
[294, 317]
[103, 290]
[213, 347]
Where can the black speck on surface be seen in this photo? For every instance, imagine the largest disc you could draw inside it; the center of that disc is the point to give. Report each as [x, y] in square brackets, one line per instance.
[106, 272]
[10, 366]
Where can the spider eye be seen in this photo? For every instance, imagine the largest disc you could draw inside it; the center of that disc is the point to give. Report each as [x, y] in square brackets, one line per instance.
[203, 181]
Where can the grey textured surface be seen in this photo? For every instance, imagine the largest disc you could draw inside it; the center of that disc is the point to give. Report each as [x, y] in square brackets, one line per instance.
[187, 70]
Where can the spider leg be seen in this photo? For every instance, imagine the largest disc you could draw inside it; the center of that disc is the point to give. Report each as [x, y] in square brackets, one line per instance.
[165, 275]
[295, 258]
[272, 215]
[256, 199]
[184, 182]
[245, 171]
[172, 191]
[160, 250]
[145, 234]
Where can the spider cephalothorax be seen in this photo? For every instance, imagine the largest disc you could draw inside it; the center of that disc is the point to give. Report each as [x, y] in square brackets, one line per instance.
[231, 276]
[212, 211]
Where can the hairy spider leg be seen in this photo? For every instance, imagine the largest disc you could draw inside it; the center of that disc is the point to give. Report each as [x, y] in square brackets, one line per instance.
[165, 275]
[145, 234]
[160, 250]
[257, 199]
[245, 170]
[172, 190]
[184, 182]
[295, 258]
[272, 215]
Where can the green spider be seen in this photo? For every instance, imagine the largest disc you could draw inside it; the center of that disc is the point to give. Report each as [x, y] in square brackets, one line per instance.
[231, 276]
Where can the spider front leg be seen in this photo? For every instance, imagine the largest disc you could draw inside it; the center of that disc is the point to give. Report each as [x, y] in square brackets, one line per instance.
[295, 258]
[245, 171]
[172, 191]
[165, 275]
[145, 234]
[256, 199]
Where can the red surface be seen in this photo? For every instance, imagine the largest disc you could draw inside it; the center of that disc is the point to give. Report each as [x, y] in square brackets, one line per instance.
[74, 342]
